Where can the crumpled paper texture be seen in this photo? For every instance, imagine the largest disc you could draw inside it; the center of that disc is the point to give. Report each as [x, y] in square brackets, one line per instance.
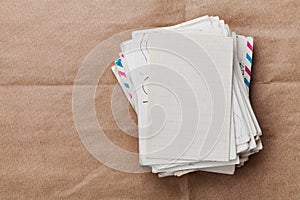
[43, 44]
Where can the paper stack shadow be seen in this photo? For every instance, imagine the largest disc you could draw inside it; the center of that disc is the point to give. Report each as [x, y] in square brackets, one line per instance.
[189, 86]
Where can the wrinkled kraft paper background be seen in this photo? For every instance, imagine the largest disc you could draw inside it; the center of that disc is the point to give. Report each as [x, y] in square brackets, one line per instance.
[43, 44]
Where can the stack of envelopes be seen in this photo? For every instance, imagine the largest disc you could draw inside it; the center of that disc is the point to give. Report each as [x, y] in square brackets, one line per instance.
[189, 85]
